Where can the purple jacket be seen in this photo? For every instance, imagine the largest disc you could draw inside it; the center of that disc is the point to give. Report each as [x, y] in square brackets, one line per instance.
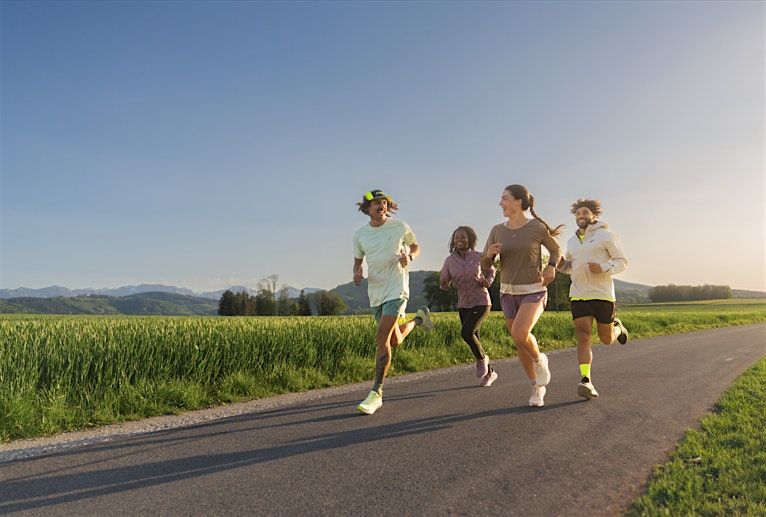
[464, 274]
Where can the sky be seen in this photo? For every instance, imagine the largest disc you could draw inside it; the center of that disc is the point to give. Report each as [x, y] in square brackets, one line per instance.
[210, 144]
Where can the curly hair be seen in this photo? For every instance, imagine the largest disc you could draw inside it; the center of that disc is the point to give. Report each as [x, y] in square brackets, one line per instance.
[594, 205]
[471, 238]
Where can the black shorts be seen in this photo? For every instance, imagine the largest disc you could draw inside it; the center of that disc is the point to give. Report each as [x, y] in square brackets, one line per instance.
[602, 310]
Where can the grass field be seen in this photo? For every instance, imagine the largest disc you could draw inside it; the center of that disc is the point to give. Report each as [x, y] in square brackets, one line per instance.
[61, 373]
[720, 468]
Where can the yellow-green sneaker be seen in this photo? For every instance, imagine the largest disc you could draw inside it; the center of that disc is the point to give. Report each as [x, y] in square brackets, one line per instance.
[371, 404]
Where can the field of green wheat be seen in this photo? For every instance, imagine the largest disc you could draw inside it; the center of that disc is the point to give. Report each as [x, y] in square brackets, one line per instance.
[62, 373]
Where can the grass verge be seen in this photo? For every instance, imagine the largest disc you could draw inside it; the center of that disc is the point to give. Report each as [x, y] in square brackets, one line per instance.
[720, 468]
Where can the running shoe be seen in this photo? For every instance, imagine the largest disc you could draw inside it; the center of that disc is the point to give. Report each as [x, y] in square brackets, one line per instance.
[482, 367]
[371, 404]
[586, 390]
[538, 392]
[542, 371]
[623, 337]
[488, 379]
[425, 316]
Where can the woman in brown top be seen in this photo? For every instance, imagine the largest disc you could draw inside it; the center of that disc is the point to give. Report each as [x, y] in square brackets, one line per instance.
[523, 280]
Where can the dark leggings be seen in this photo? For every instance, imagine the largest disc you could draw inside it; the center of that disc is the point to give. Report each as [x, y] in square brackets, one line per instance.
[471, 319]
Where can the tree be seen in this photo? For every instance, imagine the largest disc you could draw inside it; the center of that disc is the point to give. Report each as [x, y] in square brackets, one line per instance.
[679, 293]
[227, 304]
[264, 300]
[558, 293]
[271, 281]
[439, 300]
[304, 309]
[331, 304]
[283, 301]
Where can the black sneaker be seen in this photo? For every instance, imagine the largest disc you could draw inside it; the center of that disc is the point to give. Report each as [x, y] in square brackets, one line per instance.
[623, 337]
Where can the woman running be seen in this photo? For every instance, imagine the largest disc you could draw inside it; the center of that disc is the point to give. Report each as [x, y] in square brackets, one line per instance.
[523, 292]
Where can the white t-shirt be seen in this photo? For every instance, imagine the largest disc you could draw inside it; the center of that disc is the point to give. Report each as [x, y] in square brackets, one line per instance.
[386, 278]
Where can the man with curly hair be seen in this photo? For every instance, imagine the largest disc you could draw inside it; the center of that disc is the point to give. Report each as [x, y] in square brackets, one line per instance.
[594, 254]
[389, 246]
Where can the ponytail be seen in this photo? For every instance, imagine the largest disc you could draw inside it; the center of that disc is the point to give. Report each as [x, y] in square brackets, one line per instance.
[528, 202]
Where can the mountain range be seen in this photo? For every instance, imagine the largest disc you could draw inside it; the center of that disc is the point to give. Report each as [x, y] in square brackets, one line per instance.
[158, 299]
[56, 291]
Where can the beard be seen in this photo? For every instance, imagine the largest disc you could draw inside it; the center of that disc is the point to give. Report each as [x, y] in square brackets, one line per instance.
[584, 223]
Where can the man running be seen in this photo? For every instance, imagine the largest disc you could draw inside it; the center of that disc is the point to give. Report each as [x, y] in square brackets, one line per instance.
[593, 255]
[389, 246]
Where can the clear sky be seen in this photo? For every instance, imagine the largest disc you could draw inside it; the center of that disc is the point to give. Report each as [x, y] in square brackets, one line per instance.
[209, 144]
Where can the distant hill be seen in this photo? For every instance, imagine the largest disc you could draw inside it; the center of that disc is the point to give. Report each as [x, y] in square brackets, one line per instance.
[170, 300]
[744, 294]
[152, 303]
[56, 291]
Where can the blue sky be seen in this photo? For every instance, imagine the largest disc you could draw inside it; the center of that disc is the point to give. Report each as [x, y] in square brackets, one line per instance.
[209, 144]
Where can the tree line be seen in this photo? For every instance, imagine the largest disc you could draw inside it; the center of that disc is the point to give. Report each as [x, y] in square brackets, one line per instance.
[266, 303]
[685, 293]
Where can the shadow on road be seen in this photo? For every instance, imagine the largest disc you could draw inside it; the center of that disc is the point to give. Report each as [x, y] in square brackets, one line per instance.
[55, 487]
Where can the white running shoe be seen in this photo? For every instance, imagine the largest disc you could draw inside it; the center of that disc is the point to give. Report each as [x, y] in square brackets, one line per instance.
[488, 379]
[586, 390]
[482, 367]
[371, 404]
[538, 392]
[425, 316]
[542, 371]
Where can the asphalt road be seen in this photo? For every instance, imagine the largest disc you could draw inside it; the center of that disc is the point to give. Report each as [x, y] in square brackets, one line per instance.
[440, 445]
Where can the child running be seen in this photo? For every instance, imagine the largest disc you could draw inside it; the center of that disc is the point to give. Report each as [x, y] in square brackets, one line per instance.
[462, 269]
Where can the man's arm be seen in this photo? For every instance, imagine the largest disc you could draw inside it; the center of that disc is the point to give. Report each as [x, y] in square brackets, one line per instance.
[405, 259]
[358, 274]
[618, 262]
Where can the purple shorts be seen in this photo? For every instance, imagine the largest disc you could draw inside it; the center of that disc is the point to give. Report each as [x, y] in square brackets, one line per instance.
[512, 302]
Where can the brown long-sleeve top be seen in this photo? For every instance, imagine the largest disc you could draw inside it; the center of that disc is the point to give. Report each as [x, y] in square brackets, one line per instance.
[520, 258]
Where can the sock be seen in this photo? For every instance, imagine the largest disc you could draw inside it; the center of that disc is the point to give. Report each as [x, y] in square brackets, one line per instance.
[378, 388]
[585, 370]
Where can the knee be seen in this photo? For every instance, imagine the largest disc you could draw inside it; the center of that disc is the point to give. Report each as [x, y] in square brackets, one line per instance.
[519, 337]
[395, 341]
[467, 335]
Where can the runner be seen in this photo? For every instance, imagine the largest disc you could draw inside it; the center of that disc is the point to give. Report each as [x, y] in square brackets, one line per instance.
[463, 270]
[523, 290]
[593, 255]
[389, 247]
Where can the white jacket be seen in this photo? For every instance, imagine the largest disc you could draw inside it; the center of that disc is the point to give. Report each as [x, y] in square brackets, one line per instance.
[601, 246]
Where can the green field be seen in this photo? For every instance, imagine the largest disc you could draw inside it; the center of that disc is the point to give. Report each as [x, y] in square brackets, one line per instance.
[720, 468]
[66, 372]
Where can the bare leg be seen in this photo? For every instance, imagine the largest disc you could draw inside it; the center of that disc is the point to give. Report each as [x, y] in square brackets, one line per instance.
[607, 333]
[382, 341]
[400, 332]
[521, 331]
[583, 328]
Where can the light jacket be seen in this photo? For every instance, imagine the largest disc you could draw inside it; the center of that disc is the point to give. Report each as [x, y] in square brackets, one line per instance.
[601, 246]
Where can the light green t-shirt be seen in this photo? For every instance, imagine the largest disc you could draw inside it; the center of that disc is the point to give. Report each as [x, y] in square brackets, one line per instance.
[381, 246]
